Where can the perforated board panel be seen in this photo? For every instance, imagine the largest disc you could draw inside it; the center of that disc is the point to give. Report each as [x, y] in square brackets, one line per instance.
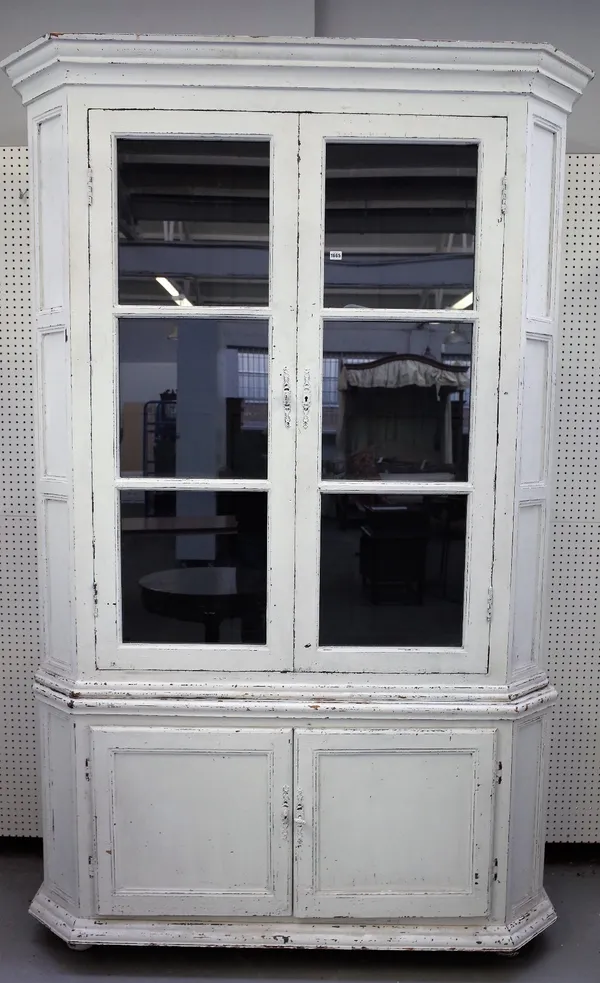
[19, 615]
[574, 622]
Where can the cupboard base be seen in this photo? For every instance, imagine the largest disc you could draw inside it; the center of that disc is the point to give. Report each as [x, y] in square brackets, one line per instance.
[262, 934]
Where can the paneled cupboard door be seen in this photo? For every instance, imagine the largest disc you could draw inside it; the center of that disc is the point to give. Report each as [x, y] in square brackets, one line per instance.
[193, 822]
[393, 824]
[400, 274]
[193, 242]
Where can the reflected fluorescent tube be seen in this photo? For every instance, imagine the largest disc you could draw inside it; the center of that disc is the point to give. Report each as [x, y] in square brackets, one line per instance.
[174, 292]
[463, 303]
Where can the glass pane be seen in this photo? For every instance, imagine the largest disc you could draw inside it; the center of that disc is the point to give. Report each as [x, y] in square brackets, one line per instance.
[396, 400]
[193, 397]
[194, 567]
[392, 570]
[193, 221]
[400, 224]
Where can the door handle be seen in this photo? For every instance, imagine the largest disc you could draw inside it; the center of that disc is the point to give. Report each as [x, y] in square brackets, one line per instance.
[306, 399]
[299, 820]
[287, 399]
[285, 812]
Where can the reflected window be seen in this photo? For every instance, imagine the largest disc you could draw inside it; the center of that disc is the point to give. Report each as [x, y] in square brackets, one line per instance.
[193, 221]
[396, 400]
[194, 567]
[400, 222]
[193, 397]
[392, 570]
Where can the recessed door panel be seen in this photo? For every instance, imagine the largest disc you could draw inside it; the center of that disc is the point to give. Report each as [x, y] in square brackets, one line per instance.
[192, 822]
[393, 824]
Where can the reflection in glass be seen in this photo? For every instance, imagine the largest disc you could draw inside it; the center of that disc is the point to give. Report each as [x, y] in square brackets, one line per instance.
[193, 221]
[400, 224]
[392, 570]
[396, 400]
[193, 397]
[197, 572]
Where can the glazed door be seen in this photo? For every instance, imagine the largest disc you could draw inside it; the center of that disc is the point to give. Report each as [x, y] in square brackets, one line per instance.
[295, 335]
[400, 266]
[193, 246]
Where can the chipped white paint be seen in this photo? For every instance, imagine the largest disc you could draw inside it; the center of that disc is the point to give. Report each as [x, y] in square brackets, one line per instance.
[287, 399]
[184, 817]
[274, 934]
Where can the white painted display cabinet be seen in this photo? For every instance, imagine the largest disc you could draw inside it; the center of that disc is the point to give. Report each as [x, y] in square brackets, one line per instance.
[296, 317]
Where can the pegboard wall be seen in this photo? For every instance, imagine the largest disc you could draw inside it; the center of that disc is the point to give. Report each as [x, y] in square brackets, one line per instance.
[574, 609]
[19, 614]
[574, 617]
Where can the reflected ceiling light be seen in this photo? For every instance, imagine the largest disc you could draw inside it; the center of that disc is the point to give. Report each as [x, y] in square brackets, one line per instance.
[174, 292]
[463, 303]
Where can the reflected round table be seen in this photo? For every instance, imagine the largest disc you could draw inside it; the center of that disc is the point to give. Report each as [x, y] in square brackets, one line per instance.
[208, 595]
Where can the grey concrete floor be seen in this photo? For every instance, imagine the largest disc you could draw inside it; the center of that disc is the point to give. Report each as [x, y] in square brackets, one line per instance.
[568, 952]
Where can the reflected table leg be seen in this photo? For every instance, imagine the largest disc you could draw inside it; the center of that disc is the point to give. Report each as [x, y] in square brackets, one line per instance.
[212, 625]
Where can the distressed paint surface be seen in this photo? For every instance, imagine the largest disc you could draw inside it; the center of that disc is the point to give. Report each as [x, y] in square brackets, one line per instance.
[156, 726]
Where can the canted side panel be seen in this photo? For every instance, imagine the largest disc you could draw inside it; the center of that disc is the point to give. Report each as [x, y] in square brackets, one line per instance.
[52, 402]
[573, 635]
[57, 733]
[20, 632]
[536, 393]
[50, 210]
[54, 410]
[535, 433]
[541, 258]
[57, 587]
[526, 841]
[527, 601]
[54, 478]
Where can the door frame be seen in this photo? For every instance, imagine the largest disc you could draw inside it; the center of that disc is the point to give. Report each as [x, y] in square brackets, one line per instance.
[491, 135]
[104, 128]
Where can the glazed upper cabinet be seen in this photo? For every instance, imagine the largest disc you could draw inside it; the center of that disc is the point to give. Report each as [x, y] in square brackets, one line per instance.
[295, 332]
